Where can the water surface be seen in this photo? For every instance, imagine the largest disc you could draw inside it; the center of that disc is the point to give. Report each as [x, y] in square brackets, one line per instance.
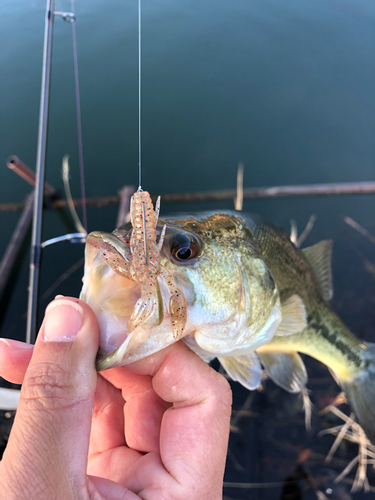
[285, 87]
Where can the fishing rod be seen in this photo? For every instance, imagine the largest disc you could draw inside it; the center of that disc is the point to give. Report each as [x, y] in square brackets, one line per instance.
[36, 245]
[40, 168]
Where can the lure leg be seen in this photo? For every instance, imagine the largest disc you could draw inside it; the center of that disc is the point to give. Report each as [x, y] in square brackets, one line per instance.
[116, 263]
[113, 251]
[144, 308]
[157, 210]
[177, 305]
[161, 239]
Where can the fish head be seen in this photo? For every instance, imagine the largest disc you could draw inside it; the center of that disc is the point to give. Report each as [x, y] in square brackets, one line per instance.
[232, 301]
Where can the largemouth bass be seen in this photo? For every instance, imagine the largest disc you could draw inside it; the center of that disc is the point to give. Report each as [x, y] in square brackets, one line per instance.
[252, 299]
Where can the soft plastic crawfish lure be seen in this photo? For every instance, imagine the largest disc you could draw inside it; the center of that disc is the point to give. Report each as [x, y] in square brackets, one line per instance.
[143, 265]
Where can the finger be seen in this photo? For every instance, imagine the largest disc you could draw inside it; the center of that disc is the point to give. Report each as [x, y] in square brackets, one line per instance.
[14, 359]
[194, 433]
[50, 435]
[143, 408]
[109, 490]
[113, 464]
[107, 430]
[109, 455]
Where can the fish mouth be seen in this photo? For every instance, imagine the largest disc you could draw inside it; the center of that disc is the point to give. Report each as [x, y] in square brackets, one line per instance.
[115, 314]
[113, 298]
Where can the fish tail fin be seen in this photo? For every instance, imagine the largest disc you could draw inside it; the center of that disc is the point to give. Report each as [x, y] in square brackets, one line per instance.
[360, 393]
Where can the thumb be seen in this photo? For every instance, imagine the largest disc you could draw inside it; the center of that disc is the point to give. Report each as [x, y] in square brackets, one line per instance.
[50, 436]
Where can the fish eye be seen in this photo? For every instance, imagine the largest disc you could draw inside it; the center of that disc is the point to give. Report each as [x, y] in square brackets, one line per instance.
[183, 248]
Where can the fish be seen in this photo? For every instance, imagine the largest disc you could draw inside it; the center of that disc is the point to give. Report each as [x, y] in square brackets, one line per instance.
[142, 263]
[252, 299]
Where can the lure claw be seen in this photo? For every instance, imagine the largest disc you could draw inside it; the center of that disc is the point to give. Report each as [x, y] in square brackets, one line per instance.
[177, 305]
[157, 210]
[139, 261]
[143, 310]
[145, 265]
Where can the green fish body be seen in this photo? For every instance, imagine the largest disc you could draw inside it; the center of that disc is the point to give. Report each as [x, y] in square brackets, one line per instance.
[252, 298]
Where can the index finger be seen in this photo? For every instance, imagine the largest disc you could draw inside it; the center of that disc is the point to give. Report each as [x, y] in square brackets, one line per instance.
[195, 430]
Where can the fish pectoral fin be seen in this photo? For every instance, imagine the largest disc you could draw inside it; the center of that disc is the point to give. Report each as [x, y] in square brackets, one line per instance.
[190, 341]
[286, 369]
[244, 369]
[319, 257]
[294, 318]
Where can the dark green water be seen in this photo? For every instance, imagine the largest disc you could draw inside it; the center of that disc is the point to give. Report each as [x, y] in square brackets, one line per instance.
[287, 87]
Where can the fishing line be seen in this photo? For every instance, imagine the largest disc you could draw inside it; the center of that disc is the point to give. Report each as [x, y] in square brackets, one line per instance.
[79, 122]
[139, 126]
[139, 98]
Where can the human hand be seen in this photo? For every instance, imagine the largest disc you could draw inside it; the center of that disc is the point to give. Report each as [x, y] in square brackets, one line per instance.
[157, 429]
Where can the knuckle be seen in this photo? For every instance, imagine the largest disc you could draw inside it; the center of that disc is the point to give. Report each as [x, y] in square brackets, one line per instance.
[47, 386]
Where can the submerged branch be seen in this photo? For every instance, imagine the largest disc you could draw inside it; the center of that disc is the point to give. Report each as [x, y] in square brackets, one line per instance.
[226, 194]
[359, 228]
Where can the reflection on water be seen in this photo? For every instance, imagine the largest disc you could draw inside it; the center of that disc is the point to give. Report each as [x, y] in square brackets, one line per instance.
[286, 87]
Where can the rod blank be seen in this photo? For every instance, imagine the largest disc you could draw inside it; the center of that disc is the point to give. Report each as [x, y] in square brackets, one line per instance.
[40, 170]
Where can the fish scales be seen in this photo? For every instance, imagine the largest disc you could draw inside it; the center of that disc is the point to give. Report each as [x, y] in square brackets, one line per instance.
[248, 296]
[326, 337]
[207, 288]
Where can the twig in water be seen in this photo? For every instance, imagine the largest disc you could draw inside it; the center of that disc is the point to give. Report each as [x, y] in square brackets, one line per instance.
[294, 231]
[369, 266]
[339, 437]
[320, 495]
[68, 194]
[352, 223]
[238, 414]
[353, 432]
[306, 231]
[307, 406]
[238, 202]
[254, 485]
[235, 462]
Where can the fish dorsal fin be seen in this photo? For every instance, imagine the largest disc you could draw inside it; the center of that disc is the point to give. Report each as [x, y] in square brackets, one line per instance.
[319, 257]
[294, 316]
[244, 369]
[286, 369]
